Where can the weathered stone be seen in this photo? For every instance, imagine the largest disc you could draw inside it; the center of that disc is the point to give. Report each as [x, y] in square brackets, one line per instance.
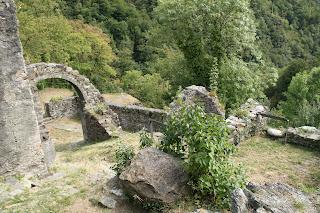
[108, 202]
[95, 128]
[249, 123]
[200, 96]
[131, 117]
[67, 107]
[271, 198]
[20, 144]
[304, 136]
[276, 133]
[135, 118]
[155, 176]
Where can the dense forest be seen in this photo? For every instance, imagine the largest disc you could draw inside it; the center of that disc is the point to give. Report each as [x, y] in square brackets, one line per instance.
[238, 49]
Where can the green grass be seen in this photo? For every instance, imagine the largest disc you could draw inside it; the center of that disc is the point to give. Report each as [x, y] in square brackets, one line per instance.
[268, 160]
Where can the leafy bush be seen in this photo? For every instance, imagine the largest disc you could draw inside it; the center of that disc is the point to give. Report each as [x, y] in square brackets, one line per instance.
[151, 89]
[239, 81]
[303, 99]
[124, 155]
[146, 139]
[201, 140]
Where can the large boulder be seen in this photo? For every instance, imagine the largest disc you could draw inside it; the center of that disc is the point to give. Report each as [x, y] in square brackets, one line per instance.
[270, 198]
[200, 96]
[305, 136]
[155, 176]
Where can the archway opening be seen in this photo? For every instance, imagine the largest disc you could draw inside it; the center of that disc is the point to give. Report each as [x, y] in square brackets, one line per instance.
[61, 104]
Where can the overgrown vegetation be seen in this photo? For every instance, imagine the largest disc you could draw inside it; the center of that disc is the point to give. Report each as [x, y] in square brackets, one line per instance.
[152, 48]
[146, 139]
[302, 106]
[123, 156]
[201, 140]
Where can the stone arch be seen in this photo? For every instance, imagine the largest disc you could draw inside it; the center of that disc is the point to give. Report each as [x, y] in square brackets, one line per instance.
[95, 127]
[85, 89]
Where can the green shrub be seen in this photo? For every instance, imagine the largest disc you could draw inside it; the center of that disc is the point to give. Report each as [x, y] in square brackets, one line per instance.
[240, 113]
[124, 155]
[201, 140]
[303, 99]
[151, 89]
[146, 139]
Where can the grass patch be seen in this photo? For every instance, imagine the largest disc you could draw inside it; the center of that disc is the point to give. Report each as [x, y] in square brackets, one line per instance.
[268, 160]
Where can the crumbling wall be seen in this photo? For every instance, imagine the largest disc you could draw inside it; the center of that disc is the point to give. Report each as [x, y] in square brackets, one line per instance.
[200, 96]
[247, 121]
[135, 118]
[67, 107]
[132, 118]
[20, 144]
[305, 136]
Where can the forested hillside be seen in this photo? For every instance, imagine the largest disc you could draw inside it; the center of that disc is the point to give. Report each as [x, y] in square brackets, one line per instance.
[236, 48]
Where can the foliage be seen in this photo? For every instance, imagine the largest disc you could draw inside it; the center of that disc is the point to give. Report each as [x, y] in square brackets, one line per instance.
[122, 20]
[173, 68]
[288, 30]
[303, 99]
[123, 156]
[277, 92]
[239, 81]
[201, 140]
[149, 88]
[55, 39]
[206, 31]
[146, 139]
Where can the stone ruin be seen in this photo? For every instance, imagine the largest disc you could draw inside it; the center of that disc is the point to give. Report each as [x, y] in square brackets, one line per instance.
[20, 149]
[25, 143]
[305, 136]
[247, 121]
[271, 198]
[200, 96]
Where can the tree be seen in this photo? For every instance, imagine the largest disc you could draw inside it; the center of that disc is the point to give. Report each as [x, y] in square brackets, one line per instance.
[303, 99]
[149, 88]
[55, 39]
[208, 31]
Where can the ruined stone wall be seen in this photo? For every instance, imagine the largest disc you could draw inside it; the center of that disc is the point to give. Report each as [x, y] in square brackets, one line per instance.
[20, 144]
[305, 136]
[246, 121]
[135, 118]
[67, 107]
[131, 118]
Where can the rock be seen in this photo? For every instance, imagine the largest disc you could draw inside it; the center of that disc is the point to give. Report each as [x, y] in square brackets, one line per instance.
[239, 201]
[155, 176]
[108, 202]
[200, 96]
[271, 198]
[21, 149]
[305, 136]
[117, 192]
[275, 133]
[246, 121]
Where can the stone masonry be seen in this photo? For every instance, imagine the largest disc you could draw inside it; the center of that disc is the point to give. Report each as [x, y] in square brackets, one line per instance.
[132, 118]
[20, 144]
[95, 127]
